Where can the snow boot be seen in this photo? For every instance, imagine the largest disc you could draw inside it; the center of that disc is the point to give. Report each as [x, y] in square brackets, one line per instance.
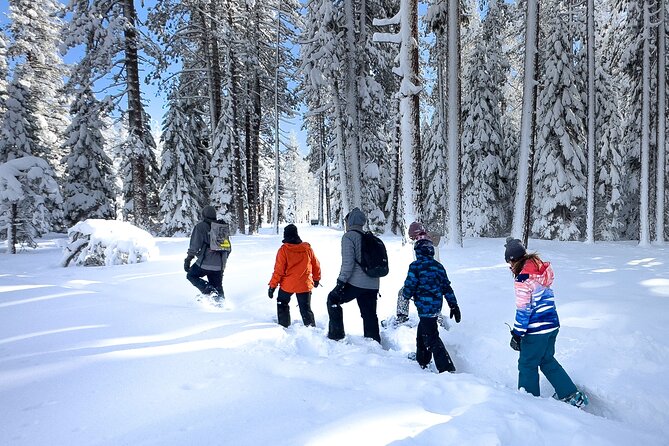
[283, 313]
[577, 399]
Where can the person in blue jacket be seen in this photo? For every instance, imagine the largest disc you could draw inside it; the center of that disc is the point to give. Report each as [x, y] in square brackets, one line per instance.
[537, 324]
[428, 285]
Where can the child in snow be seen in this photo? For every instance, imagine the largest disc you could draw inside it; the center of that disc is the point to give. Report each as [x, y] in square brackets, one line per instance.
[416, 232]
[428, 284]
[298, 271]
[536, 326]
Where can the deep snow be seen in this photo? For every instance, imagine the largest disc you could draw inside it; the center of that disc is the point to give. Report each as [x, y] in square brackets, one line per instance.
[125, 355]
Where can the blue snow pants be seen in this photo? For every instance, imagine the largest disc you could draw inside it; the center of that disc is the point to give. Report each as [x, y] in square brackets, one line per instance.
[537, 352]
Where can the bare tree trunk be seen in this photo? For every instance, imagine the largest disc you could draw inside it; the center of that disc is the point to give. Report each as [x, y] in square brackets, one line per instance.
[211, 56]
[453, 144]
[661, 124]
[590, 220]
[135, 125]
[644, 191]
[395, 218]
[11, 230]
[522, 206]
[254, 159]
[237, 165]
[322, 159]
[353, 118]
[340, 154]
[419, 198]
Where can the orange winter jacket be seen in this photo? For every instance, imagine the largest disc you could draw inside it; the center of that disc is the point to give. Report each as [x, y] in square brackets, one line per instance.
[296, 268]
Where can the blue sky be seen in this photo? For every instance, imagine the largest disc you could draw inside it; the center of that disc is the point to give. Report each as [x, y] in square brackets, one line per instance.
[155, 99]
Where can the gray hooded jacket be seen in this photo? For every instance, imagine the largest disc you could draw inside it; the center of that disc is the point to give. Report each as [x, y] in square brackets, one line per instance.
[351, 271]
[199, 247]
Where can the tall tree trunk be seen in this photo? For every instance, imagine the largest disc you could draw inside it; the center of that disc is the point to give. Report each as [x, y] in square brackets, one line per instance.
[322, 160]
[253, 159]
[590, 220]
[454, 153]
[11, 230]
[352, 112]
[522, 206]
[135, 125]
[340, 154]
[237, 164]
[410, 114]
[212, 58]
[644, 192]
[396, 221]
[661, 123]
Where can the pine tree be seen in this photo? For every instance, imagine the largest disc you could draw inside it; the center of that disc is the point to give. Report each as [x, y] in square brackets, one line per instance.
[181, 199]
[609, 223]
[559, 193]
[35, 29]
[89, 190]
[482, 131]
[28, 193]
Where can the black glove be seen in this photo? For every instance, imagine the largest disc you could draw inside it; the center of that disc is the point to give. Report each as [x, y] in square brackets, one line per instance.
[339, 289]
[187, 261]
[515, 342]
[316, 283]
[270, 293]
[455, 312]
[337, 293]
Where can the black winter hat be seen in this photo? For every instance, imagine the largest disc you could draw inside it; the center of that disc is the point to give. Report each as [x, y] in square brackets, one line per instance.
[514, 249]
[424, 247]
[290, 232]
[209, 212]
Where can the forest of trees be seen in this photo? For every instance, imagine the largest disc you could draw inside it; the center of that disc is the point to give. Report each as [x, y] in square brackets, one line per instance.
[479, 118]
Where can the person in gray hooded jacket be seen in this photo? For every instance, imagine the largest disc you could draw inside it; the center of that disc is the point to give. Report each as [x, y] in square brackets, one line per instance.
[353, 283]
[209, 263]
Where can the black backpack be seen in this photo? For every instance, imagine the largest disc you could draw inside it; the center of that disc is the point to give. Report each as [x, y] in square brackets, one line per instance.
[373, 255]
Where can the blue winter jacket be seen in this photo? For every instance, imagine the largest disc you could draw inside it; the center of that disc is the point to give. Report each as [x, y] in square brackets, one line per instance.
[427, 282]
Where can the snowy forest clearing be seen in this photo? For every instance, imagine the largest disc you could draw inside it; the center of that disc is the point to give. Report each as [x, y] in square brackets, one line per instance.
[125, 355]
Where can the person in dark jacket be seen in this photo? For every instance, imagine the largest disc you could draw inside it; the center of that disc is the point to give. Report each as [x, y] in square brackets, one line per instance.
[296, 271]
[353, 283]
[427, 284]
[209, 263]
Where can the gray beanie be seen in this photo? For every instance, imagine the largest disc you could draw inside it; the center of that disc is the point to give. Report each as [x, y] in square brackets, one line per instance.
[209, 212]
[514, 249]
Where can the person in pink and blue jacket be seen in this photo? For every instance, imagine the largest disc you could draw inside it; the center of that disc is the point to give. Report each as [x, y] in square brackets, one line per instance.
[537, 324]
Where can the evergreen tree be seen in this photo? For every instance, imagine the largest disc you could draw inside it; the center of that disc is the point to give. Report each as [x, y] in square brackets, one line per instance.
[28, 194]
[609, 182]
[559, 182]
[88, 190]
[180, 196]
[482, 131]
[35, 29]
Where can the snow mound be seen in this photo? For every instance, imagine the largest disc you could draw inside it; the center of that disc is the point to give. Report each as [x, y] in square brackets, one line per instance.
[97, 242]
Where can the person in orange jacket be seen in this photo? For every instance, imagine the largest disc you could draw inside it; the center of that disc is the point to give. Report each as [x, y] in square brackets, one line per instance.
[296, 271]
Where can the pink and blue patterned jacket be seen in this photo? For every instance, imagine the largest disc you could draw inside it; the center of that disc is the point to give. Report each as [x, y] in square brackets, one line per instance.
[535, 302]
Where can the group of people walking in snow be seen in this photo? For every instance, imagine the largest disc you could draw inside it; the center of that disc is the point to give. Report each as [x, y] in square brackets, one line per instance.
[297, 271]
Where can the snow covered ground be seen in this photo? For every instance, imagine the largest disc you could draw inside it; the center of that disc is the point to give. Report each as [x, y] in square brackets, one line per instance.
[124, 355]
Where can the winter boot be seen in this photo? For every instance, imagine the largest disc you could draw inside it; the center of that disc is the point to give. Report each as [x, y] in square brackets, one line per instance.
[578, 399]
[304, 302]
[283, 313]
